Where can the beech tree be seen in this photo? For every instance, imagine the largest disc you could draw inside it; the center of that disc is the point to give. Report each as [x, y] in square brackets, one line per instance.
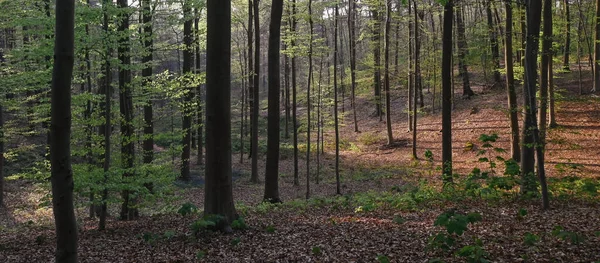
[60, 134]
[510, 85]
[447, 92]
[218, 193]
[272, 166]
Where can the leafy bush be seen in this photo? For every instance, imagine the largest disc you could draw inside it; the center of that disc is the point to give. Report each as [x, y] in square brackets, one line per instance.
[530, 239]
[455, 224]
[187, 209]
[239, 224]
[474, 253]
[208, 222]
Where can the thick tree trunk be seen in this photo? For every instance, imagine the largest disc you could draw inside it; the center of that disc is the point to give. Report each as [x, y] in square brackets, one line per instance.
[531, 138]
[447, 92]
[462, 53]
[272, 166]
[187, 112]
[255, 94]
[126, 109]
[218, 194]
[60, 134]
[510, 86]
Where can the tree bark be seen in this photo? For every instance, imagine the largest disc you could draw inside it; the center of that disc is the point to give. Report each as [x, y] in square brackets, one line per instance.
[567, 47]
[294, 92]
[218, 194]
[352, 32]
[462, 53]
[308, 101]
[60, 134]
[104, 88]
[335, 104]
[447, 92]
[255, 94]
[388, 108]
[272, 166]
[510, 85]
[493, 43]
[377, 55]
[546, 68]
[148, 144]
[188, 61]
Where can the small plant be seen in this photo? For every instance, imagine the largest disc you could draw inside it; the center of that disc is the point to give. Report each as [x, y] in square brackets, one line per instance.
[474, 253]
[316, 250]
[383, 259]
[169, 234]
[239, 224]
[573, 237]
[208, 222]
[270, 229]
[530, 239]
[456, 224]
[236, 241]
[200, 254]
[150, 237]
[399, 220]
[521, 213]
[187, 209]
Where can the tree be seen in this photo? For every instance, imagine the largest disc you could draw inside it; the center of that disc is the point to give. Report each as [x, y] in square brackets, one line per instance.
[335, 103]
[148, 144]
[126, 110]
[510, 85]
[567, 47]
[597, 49]
[308, 104]
[60, 134]
[447, 92]
[218, 195]
[352, 32]
[417, 80]
[255, 95]
[388, 108]
[493, 43]
[546, 68]
[531, 140]
[377, 55]
[188, 61]
[294, 92]
[272, 166]
[462, 53]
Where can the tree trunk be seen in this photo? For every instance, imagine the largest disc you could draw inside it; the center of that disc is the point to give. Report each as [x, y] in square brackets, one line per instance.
[199, 100]
[218, 194]
[60, 134]
[545, 68]
[377, 55]
[597, 49]
[531, 138]
[308, 104]
[462, 53]
[148, 144]
[417, 80]
[352, 32]
[447, 92]
[255, 94]
[388, 108]
[105, 109]
[188, 57]
[335, 104]
[126, 109]
[294, 100]
[272, 166]
[567, 47]
[510, 86]
[2, 157]
[493, 43]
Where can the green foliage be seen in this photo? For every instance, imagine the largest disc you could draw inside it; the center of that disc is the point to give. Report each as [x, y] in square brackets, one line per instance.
[316, 250]
[206, 223]
[270, 229]
[521, 213]
[239, 224]
[369, 138]
[383, 259]
[187, 209]
[530, 239]
[399, 220]
[573, 237]
[200, 254]
[455, 224]
[474, 253]
[235, 241]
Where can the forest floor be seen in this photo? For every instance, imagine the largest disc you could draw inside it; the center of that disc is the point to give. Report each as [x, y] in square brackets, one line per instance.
[388, 206]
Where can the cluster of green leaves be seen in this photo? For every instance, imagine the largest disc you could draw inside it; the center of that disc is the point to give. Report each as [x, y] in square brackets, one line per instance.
[455, 224]
[206, 223]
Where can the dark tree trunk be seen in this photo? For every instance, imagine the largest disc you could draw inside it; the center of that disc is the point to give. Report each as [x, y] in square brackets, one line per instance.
[255, 94]
[447, 93]
[388, 108]
[510, 86]
[105, 89]
[272, 166]
[199, 98]
[60, 134]
[417, 80]
[294, 92]
[308, 103]
[531, 138]
[335, 104]
[352, 32]
[126, 109]
[546, 68]
[493, 43]
[187, 112]
[567, 47]
[377, 55]
[218, 194]
[597, 49]
[462, 53]
[411, 70]
[148, 143]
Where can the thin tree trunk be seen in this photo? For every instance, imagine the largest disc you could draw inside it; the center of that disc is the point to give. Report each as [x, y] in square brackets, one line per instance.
[335, 104]
[411, 80]
[388, 108]
[352, 32]
[377, 55]
[148, 144]
[493, 43]
[105, 109]
[272, 166]
[199, 98]
[596, 86]
[545, 68]
[417, 80]
[188, 94]
[294, 105]
[60, 134]
[567, 47]
[462, 53]
[255, 94]
[510, 86]
[308, 103]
